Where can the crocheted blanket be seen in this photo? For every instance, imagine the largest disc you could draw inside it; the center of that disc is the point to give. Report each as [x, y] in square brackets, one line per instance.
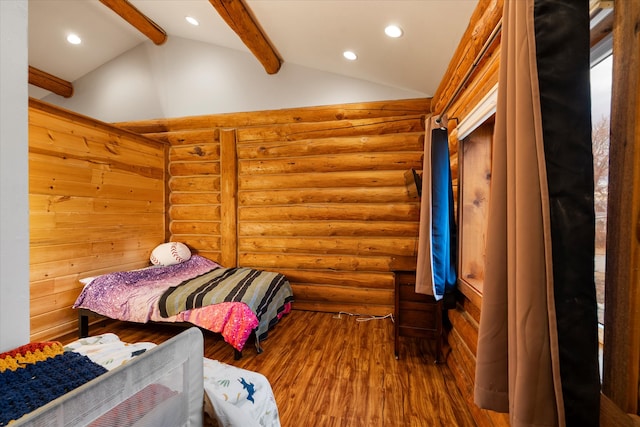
[37, 373]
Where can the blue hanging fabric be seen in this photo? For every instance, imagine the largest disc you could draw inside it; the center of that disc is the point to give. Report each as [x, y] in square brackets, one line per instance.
[443, 226]
[437, 241]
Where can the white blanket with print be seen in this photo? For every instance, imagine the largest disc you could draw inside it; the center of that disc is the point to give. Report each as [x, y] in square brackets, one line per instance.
[233, 397]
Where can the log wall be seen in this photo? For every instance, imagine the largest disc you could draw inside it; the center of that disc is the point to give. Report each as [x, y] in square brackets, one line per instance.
[620, 382]
[96, 202]
[481, 75]
[464, 319]
[315, 193]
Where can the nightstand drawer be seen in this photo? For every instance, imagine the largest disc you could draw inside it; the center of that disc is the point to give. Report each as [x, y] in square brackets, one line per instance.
[422, 319]
[417, 315]
[408, 293]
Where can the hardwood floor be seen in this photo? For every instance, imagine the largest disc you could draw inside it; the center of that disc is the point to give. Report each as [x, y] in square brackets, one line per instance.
[330, 371]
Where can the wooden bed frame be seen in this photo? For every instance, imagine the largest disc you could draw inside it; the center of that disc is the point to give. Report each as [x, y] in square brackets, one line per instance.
[83, 328]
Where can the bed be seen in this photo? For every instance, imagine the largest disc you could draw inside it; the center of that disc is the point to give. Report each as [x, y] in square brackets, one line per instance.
[235, 302]
[101, 381]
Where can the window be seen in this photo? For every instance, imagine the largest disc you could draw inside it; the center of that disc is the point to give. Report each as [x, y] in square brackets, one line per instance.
[600, 116]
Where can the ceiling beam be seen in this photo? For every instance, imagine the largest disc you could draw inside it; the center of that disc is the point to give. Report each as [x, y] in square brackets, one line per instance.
[50, 82]
[140, 21]
[239, 18]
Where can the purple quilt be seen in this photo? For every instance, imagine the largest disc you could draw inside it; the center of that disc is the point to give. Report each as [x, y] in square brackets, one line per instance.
[133, 295]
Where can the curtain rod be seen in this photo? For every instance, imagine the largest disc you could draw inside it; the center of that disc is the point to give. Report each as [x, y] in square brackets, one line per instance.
[479, 57]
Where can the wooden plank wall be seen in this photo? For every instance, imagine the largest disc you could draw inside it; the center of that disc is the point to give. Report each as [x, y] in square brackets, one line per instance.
[96, 200]
[315, 193]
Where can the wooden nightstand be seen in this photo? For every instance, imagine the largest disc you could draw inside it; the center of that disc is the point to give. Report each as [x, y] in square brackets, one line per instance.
[416, 315]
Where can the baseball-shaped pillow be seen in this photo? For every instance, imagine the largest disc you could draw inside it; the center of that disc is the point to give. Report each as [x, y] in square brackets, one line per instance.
[170, 253]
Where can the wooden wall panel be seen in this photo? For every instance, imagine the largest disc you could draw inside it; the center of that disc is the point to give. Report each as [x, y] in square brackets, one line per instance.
[463, 339]
[317, 151]
[229, 197]
[96, 203]
[354, 111]
[316, 193]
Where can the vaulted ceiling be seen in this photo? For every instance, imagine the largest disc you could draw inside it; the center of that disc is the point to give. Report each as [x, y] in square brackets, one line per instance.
[310, 33]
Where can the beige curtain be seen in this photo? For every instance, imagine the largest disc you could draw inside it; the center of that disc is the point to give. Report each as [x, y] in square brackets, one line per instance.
[537, 355]
[517, 368]
[424, 268]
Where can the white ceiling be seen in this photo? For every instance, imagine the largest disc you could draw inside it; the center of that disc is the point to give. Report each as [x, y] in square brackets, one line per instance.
[310, 33]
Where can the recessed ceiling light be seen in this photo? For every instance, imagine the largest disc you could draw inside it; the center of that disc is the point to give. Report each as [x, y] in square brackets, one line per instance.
[393, 31]
[74, 39]
[351, 56]
[191, 20]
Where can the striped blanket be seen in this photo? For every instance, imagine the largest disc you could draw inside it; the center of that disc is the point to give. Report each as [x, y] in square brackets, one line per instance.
[266, 293]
